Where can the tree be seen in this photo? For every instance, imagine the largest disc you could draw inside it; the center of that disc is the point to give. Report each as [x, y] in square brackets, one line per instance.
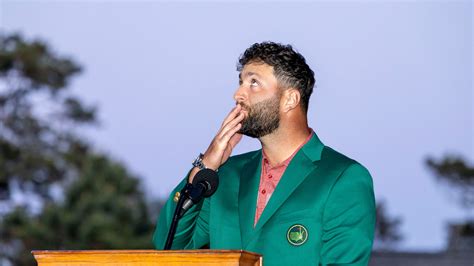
[387, 229]
[103, 209]
[100, 205]
[455, 172]
[37, 115]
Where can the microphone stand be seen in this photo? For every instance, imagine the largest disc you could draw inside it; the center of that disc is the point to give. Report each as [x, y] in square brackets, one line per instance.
[177, 215]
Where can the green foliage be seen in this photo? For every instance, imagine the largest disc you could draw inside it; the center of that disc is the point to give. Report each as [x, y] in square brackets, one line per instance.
[387, 228]
[37, 115]
[455, 172]
[100, 204]
[103, 209]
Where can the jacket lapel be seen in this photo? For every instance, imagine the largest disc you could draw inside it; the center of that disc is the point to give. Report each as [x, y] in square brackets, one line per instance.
[248, 191]
[297, 171]
[304, 162]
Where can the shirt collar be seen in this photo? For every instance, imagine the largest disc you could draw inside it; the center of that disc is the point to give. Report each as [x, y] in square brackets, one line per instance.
[288, 160]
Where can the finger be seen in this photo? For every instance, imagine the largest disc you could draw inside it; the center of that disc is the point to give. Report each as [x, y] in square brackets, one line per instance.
[226, 137]
[237, 119]
[231, 125]
[233, 113]
[234, 140]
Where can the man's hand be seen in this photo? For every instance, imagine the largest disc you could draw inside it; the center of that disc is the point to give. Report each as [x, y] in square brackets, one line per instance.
[224, 142]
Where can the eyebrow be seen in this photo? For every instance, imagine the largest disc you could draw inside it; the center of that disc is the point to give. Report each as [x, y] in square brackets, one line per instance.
[248, 74]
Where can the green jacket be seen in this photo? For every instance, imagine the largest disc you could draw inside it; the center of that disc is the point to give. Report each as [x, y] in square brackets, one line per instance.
[321, 213]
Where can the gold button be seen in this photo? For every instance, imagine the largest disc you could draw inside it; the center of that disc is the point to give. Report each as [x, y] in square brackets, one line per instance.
[176, 197]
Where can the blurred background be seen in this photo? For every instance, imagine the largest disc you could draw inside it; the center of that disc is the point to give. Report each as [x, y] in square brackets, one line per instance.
[105, 104]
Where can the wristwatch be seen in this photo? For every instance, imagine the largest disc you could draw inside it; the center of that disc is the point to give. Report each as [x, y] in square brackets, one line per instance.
[199, 164]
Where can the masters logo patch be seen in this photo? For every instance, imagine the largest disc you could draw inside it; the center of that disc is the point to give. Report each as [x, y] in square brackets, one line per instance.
[297, 235]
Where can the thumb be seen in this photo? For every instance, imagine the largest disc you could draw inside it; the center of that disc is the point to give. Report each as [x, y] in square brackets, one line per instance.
[235, 139]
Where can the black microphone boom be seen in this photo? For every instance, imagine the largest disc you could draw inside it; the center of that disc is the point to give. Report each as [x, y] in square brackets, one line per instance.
[204, 184]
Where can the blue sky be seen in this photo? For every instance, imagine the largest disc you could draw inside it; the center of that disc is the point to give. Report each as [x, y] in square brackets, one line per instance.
[394, 84]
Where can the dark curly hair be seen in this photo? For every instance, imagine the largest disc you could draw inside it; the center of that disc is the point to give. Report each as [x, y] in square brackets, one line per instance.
[289, 67]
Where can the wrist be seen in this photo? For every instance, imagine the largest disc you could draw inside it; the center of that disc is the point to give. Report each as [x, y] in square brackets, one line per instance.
[201, 162]
[208, 165]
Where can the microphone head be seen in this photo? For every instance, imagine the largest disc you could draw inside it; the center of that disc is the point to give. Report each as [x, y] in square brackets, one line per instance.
[208, 178]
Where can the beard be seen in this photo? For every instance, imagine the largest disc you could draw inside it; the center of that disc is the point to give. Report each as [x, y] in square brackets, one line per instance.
[263, 118]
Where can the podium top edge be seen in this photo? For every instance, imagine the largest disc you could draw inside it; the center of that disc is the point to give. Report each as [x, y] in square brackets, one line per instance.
[141, 251]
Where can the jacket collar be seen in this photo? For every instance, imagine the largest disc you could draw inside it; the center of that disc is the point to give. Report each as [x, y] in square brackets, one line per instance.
[302, 164]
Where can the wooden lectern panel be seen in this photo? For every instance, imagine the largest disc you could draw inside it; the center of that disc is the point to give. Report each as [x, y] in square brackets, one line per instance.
[147, 257]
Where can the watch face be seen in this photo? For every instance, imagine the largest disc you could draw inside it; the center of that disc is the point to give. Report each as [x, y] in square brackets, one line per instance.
[198, 162]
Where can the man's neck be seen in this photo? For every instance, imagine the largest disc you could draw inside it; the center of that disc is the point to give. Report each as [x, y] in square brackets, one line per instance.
[283, 142]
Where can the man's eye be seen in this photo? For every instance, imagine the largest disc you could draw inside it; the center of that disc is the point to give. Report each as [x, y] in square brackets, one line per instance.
[253, 82]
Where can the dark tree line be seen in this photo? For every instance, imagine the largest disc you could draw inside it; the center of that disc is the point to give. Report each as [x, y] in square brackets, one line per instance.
[88, 200]
[455, 173]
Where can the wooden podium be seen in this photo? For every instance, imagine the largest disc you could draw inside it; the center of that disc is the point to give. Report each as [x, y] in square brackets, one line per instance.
[147, 257]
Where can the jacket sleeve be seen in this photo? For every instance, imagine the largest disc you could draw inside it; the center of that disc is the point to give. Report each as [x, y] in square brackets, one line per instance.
[349, 219]
[192, 231]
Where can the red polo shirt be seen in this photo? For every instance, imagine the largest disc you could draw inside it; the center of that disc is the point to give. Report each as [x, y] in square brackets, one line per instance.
[270, 177]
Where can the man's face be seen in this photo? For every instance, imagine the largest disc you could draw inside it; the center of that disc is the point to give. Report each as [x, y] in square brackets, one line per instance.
[259, 96]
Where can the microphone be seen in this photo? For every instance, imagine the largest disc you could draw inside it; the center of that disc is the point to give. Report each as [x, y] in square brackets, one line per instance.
[204, 184]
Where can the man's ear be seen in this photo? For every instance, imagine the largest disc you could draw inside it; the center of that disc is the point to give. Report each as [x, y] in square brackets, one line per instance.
[291, 99]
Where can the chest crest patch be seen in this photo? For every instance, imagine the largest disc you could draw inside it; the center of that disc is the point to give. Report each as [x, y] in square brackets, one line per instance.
[297, 235]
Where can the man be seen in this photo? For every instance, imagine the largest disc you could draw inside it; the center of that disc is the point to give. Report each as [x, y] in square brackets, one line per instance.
[295, 201]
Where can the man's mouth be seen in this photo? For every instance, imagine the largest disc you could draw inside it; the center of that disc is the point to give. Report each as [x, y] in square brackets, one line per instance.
[245, 111]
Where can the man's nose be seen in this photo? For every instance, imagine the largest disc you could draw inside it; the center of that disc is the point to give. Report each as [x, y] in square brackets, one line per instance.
[239, 95]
